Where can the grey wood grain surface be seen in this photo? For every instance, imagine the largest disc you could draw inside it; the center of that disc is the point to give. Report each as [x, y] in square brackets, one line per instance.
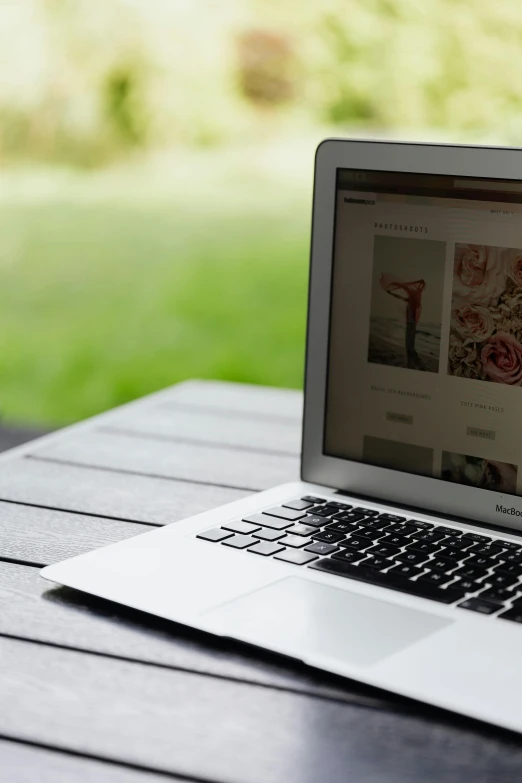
[108, 493]
[221, 465]
[83, 676]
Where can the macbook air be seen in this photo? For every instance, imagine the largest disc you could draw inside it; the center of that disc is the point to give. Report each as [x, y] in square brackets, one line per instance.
[397, 559]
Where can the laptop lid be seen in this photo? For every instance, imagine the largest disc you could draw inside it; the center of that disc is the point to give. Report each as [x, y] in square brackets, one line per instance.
[413, 388]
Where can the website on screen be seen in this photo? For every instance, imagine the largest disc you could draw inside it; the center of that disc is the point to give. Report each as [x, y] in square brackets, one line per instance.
[425, 350]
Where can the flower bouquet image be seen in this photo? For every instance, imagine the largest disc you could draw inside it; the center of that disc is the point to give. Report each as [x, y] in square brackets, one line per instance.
[486, 317]
[479, 472]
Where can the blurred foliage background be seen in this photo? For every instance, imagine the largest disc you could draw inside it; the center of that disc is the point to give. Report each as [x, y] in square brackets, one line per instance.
[156, 169]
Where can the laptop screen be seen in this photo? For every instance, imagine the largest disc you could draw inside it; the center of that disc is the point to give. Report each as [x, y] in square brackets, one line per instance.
[425, 346]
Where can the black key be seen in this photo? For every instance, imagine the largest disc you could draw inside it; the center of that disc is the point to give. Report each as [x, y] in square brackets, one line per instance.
[314, 521]
[240, 542]
[402, 530]
[392, 517]
[336, 504]
[515, 615]
[241, 527]
[452, 553]
[319, 548]
[422, 546]
[429, 536]
[435, 578]
[482, 562]
[285, 513]
[467, 585]
[377, 563]
[301, 530]
[457, 543]
[470, 572]
[421, 525]
[294, 541]
[512, 557]
[349, 556]
[342, 527]
[508, 568]
[266, 534]
[266, 521]
[323, 511]
[448, 531]
[478, 605]
[329, 537]
[498, 594]
[298, 505]
[266, 548]
[216, 534]
[358, 542]
[406, 571]
[384, 550]
[313, 499]
[295, 556]
[442, 564]
[502, 580]
[368, 512]
[399, 541]
[348, 516]
[485, 549]
[476, 538]
[411, 558]
[389, 579]
[370, 523]
[373, 535]
[511, 545]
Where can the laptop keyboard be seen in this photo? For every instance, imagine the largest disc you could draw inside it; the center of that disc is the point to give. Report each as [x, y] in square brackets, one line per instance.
[438, 562]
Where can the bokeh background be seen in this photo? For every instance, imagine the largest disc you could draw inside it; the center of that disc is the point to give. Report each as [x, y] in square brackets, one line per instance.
[156, 170]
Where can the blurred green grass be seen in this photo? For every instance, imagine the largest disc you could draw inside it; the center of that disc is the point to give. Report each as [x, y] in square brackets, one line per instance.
[118, 283]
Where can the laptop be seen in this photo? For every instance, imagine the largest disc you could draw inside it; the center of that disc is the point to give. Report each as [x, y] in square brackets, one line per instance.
[397, 559]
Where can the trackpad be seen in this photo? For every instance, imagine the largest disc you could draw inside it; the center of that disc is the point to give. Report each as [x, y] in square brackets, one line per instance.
[304, 616]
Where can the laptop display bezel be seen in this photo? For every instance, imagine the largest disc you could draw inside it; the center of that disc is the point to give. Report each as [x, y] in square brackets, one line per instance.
[431, 494]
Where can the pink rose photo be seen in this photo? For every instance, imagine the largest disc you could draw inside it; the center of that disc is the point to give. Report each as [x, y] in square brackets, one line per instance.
[486, 316]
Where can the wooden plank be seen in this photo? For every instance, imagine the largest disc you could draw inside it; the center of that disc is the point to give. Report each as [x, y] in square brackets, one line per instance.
[22, 763]
[219, 730]
[238, 397]
[179, 422]
[108, 493]
[210, 464]
[39, 536]
[31, 608]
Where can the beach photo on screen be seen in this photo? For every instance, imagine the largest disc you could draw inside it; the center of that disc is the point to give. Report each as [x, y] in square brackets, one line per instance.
[479, 472]
[406, 306]
[397, 455]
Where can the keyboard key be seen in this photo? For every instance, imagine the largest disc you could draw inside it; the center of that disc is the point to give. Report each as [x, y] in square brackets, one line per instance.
[285, 513]
[508, 568]
[301, 530]
[402, 530]
[515, 615]
[453, 554]
[448, 531]
[368, 512]
[378, 563]
[384, 550]
[442, 564]
[358, 542]
[324, 511]
[240, 527]
[480, 561]
[328, 536]
[298, 505]
[313, 499]
[319, 548]
[313, 520]
[436, 578]
[406, 571]
[399, 541]
[240, 542]
[422, 546]
[470, 572]
[296, 556]
[498, 594]
[266, 521]
[266, 534]
[411, 558]
[370, 523]
[478, 539]
[511, 545]
[467, 586]
[388, 579]
[216, 534]
[373, 535]
[422, 525]
[429, 536]
[342, 527]
[392, 517]
[348, 516]
[478, 605]
[294, 541]
[485, 549]
[457, 543]
[265, 548]
[502, 580]
[336, 504]
[512, 557]
[349, 556]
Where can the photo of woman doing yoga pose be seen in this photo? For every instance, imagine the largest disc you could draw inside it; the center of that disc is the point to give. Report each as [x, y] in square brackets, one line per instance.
[406, 304]
[411, 293]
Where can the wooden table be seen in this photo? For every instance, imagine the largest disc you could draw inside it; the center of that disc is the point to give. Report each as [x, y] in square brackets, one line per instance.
[92, 692]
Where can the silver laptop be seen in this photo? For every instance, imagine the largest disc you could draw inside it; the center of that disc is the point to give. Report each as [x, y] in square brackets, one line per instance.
[397, 560]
